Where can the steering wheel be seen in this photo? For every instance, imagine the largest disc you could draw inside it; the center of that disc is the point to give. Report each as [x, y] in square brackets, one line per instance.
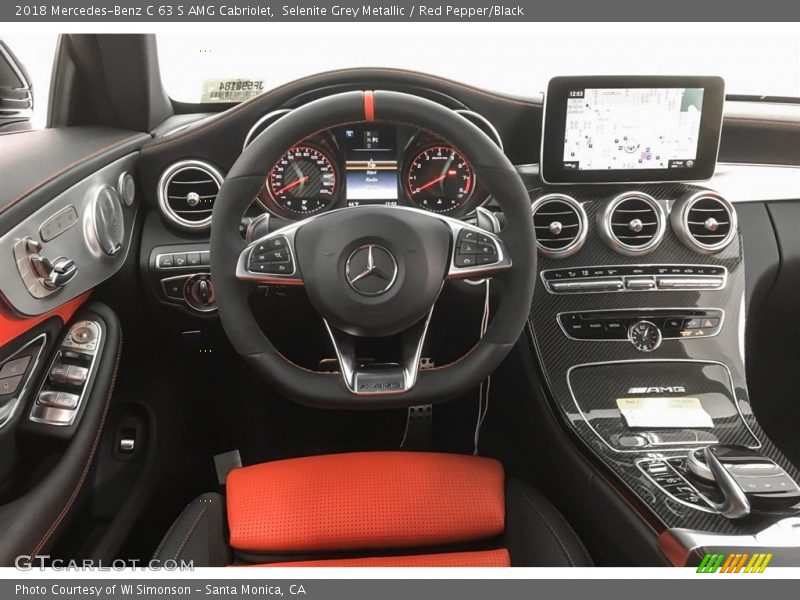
[373, 271]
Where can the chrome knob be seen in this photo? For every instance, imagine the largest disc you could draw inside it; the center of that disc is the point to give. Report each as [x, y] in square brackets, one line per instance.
[62, 272]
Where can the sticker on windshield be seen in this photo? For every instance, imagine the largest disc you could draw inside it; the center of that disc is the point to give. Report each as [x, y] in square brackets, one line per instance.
[231, 90]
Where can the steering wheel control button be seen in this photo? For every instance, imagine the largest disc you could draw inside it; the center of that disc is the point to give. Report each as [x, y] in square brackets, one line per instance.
[371, 270]
[277, 256]
[272, 256]
[275, 243]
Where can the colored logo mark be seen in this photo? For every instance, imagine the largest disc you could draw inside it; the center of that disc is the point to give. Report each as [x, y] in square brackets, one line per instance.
[736, 562]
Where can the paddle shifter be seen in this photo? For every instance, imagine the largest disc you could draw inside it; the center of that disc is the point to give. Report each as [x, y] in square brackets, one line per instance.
[747, 480]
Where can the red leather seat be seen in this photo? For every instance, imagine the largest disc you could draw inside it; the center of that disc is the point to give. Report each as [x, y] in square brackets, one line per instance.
[373, 509]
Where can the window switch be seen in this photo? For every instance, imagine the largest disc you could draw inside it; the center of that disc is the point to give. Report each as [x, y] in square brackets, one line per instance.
[58, 373]
[61, 400]
[77, 375]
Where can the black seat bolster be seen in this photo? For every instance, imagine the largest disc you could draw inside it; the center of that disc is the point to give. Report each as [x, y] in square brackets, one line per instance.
[537, 535]
[199, 534]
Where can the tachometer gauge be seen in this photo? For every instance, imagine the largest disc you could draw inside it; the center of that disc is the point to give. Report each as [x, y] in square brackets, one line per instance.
[303, 181]
[440, 179]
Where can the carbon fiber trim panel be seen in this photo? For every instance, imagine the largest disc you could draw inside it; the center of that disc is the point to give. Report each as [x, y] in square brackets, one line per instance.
[557, 354]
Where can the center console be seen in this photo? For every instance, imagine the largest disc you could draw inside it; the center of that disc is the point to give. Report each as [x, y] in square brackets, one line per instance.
[639, 316]
[638, 325]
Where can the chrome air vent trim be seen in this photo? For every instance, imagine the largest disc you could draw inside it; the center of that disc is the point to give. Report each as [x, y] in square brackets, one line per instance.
[195, 212]
[560, 223]
[704, 221]
[632, 223]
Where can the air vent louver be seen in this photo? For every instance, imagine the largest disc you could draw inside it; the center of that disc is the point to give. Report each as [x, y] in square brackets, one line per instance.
[633, 223]
[704, 221]
[560, 224]
[187, 191]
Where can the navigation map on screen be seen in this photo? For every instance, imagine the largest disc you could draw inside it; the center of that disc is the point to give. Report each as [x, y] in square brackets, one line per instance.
[632, 128]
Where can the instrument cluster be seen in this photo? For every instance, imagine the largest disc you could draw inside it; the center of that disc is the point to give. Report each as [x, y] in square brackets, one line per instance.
[371, 163]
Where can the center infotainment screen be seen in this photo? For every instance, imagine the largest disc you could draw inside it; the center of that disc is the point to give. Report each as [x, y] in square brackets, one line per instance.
[627, 129]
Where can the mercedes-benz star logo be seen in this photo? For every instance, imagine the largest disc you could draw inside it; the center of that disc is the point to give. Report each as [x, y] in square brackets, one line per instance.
[371, 270]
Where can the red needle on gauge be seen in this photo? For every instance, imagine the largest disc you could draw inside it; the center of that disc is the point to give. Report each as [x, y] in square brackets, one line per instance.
[294, 184]
[432, 182]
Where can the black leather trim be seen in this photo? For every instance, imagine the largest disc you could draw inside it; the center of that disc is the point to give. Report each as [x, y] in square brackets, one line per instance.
[198, 534]
[30, 522]
[41, 164]
[537, 535]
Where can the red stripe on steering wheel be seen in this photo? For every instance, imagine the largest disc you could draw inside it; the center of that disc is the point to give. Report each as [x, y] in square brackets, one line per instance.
[369, 105]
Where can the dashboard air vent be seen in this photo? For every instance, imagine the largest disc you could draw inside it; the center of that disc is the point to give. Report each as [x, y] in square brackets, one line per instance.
[632, 223]
[560, 224]
[704, 221]
[187, 191]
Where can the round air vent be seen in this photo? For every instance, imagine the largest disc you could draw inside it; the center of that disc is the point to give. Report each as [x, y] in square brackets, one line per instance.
[704, 221]
[187, 191]
[560, 224]
[632, 223]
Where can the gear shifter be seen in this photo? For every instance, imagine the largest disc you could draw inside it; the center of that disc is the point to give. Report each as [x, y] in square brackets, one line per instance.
[747, 479]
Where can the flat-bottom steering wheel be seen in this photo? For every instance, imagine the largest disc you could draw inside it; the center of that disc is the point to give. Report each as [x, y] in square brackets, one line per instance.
[374, 271]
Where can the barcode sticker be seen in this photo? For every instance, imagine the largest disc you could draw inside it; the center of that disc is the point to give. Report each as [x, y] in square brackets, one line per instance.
[231, 90]
[664, 412]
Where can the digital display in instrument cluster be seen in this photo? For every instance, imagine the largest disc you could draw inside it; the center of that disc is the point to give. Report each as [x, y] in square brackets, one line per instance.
[370, 163]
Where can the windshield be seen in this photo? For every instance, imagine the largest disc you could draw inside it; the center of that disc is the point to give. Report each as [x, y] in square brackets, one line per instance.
[518, 62]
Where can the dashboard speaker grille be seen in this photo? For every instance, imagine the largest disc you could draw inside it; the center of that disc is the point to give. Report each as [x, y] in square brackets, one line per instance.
[705, 221]
[187, 192]
[633, 223]
[560, 224]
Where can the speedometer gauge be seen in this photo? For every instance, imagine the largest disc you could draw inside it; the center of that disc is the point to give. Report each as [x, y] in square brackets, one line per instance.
[440, 179]
[303, 181]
